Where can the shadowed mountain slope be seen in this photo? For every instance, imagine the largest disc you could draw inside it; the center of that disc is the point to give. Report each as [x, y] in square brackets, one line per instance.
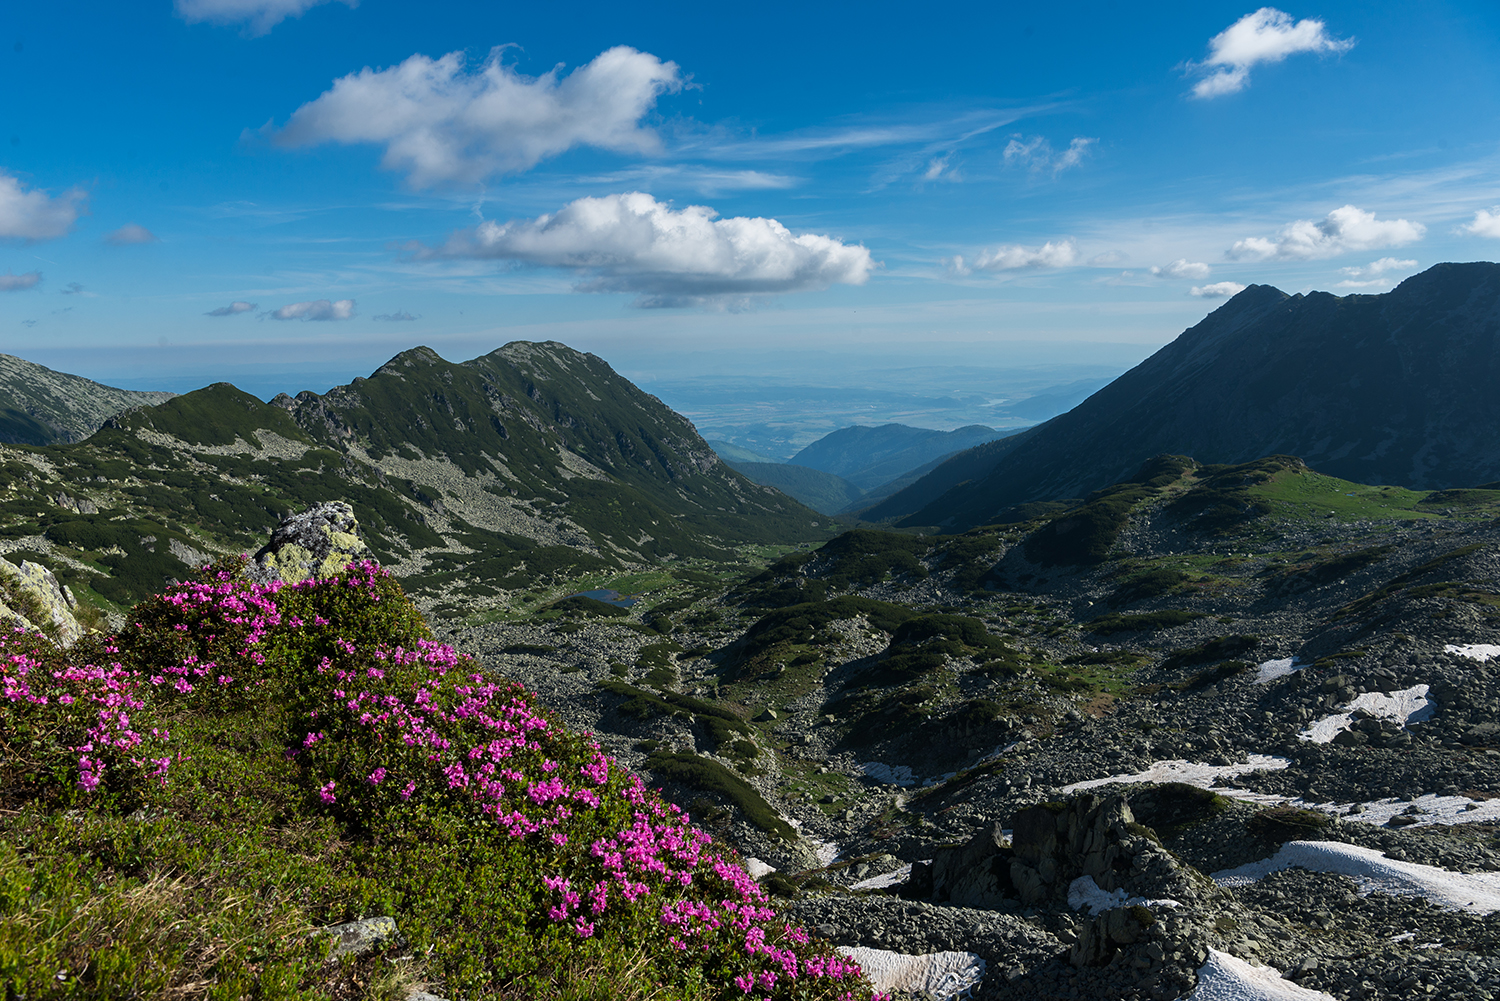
[871, 456]
[1396, 388]
[39, 406]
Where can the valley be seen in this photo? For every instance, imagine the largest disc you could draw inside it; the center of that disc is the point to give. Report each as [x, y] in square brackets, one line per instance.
[1207, 726]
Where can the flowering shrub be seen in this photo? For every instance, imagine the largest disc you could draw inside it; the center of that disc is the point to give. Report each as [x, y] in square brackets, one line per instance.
[426, 762]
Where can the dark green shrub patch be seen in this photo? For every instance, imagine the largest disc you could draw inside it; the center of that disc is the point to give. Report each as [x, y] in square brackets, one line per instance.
[1106, 625]
[710, 776]
[1215, 649]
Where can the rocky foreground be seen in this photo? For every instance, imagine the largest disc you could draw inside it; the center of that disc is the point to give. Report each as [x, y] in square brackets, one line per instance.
[1274, 745]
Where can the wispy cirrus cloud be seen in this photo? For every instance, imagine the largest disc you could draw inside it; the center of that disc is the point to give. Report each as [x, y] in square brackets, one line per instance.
[258, 16]
[1014, 257]
[10, 282]
[1346, 228]
[318, 309]
[400, 316]
[442, 124]
[233, 309]
[34, 215]
[1265, 36]
[669, 257]
[1037, 155]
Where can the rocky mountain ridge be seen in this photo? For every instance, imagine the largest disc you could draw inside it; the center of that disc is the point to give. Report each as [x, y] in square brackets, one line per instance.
[39, 406]
[1391, 388]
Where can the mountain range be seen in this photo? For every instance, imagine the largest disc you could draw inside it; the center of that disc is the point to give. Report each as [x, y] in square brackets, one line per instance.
[39, 406]
[1391, 388]
[479, 480]
[1176, 715]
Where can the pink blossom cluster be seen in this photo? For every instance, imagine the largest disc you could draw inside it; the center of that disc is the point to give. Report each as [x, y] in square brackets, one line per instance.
[386, 723]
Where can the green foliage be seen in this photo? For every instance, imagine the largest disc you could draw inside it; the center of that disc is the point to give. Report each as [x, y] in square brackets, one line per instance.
[1106, 625]
[215, 415]
[276, 820]
[580, 604]
[708, 775]
[1367, 601]
[1279, 824]
[1218, 648]
[1086, 535]
[1320, 572]
[1223, 498]
[1152, 583]
[925, 643]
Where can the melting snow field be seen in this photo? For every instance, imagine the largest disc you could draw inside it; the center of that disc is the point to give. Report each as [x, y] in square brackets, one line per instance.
[1224, 978]
[1474, 651]
[941, 974]
[1410, 705]
[1083, 892]
[1192, 772]
[896, 775]
[893, 878]
[1477, 893]
[1273, 669]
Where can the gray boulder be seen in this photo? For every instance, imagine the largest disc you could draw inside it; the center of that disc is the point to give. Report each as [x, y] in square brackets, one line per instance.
[315, 544]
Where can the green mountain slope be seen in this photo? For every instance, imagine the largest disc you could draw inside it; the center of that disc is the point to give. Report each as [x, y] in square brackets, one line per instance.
[39, 406]
[503, 476]
[820, 491]
[1392, 388]
[871, 456]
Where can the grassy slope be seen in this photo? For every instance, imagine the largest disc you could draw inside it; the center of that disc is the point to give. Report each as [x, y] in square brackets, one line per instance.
[200, 863]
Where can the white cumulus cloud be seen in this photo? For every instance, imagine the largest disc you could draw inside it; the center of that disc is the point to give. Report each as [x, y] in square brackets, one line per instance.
[319, 309]
[130, 233]
[233, 309]
[34, 215]
[633, 243]
[1013, 257]
[19, 283]
[1037, 153]
[1344, 229]
[1218, 290]
[258, 16]
[442, 124]
[1266, 36]
[1486, 223]
[1182, 268]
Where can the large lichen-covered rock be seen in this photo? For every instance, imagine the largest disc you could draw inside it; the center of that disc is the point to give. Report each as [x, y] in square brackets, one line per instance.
[317, 543]
[31, 597]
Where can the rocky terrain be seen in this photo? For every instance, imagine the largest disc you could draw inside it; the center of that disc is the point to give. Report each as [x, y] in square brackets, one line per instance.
[39, 406]
[1048, 744]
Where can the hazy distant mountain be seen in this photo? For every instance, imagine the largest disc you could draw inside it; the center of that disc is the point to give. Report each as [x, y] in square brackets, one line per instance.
[732, 453]
[1397, 388]
[871, 456]
[39, 406]
[820, 491]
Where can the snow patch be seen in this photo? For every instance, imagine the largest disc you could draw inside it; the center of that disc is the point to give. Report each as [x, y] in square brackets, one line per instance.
[1410, 705]
[1372, 872]
[1273, 669]
[941, 974]
[1474, 651]
[893, 878]
[1192, 772]
[896, 775]
[1225, 978]
[1083, 892]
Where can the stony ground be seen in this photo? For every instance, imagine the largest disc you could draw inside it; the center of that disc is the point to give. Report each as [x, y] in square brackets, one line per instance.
[975, 746]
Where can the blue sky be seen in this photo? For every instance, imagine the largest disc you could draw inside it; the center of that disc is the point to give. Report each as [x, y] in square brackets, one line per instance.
[284, 193]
